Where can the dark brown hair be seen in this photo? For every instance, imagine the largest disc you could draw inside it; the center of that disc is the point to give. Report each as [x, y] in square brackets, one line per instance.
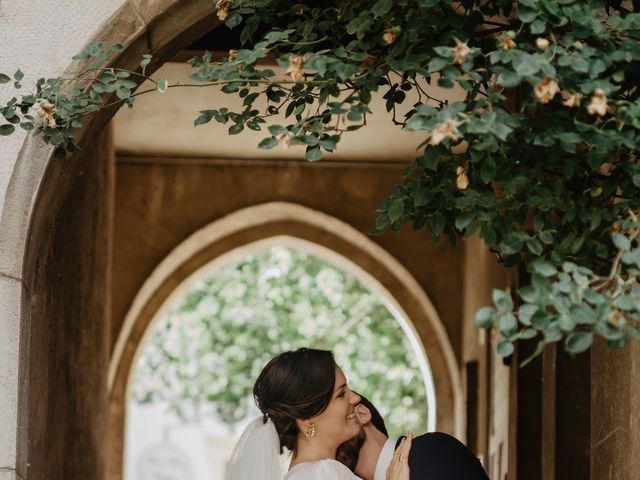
[295, 385]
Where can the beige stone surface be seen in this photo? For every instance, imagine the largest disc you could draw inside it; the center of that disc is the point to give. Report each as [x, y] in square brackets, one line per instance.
[33, 40]
[9, 474]
[162, 124]
[10, 296]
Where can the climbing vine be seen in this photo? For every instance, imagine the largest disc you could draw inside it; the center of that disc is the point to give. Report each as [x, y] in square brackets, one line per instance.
[540, 157]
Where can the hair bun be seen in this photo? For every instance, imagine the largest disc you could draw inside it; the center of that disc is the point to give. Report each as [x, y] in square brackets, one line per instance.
[295, 385]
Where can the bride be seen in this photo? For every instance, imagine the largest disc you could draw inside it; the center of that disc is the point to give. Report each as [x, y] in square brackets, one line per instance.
[308, 408]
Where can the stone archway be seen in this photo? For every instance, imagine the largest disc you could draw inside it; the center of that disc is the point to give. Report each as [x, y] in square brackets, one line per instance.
[291, 224]
[55, 239]
[54, 252]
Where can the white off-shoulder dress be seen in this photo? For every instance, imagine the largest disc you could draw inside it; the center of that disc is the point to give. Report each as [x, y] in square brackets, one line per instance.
[320, 470]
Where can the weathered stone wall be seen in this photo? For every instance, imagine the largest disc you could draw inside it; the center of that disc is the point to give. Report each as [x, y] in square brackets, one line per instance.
[615, 412]
[32, 40]
[488, 381]
[63, 394]
[160, 202]
[40, 38]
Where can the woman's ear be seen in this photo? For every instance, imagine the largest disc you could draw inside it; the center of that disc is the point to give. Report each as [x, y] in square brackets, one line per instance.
[303, 425]
[363, 414]
[307, 427]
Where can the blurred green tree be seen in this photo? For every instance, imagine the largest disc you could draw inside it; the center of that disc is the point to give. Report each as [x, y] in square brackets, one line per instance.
[204, 354]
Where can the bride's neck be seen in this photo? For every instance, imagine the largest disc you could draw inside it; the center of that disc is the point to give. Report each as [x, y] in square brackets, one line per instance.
[311, 451]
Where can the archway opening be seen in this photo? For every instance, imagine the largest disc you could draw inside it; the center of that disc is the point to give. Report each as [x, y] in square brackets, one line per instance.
[190, 388]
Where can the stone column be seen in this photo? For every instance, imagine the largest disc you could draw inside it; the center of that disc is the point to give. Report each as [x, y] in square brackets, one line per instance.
[63, 401]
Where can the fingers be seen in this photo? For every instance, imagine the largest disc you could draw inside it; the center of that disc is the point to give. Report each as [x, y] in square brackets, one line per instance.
[399, 466]
[405, 446]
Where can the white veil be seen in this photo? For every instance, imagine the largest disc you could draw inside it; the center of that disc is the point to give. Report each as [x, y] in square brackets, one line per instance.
[257, 453]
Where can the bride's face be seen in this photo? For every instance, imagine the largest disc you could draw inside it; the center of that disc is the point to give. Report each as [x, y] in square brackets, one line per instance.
[338, 422]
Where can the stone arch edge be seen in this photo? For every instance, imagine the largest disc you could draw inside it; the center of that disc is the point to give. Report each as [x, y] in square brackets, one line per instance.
[38, 183]
[179, 266]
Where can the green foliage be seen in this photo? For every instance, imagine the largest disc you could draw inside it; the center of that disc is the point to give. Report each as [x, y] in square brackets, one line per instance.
[540, 157]
[205, 353]
[572, 302]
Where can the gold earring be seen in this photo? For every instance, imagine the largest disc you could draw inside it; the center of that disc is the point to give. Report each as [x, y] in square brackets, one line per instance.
[311, 431]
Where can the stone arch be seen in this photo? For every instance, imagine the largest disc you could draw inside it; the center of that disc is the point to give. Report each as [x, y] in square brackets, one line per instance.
[254, 227]
[54, 378]
[43, 209]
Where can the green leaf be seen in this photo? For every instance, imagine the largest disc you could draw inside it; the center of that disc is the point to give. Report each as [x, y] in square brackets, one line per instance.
[577, 342]
[535, 246]
[396, 209]
[543, 267]
[162, 85]
[508, 323]
[511, 244]
[4, 78]
[437, 224]
[436, 64]
[540, 320]
[505, 348]
[509, 79]
[485, 317]
[233, 20]
[123, 93]
[546, 237]
[583, 314]
[502, 300]
[381, 7]
[313, 153]
[538, 26]
[621, 241]
[236, 128]
[268, 143]
[464, 219]
[277, 130]
[18, 75]
[7, 129]
[205, 117]
[146, 60]
[488, 170]
[525, 312]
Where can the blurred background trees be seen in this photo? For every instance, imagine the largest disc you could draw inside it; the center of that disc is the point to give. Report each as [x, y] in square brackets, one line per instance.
[206, 351]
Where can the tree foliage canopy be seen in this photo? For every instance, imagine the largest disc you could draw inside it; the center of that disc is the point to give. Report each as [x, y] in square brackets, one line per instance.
[205, 353]
[540, 158]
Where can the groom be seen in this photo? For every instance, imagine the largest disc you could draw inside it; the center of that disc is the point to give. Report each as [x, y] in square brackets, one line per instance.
[433, 455]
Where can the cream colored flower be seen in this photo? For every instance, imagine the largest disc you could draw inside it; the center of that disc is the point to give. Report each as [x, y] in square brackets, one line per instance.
[462, 180]
[46, 109]
[571, 99]
[546, 90]
[284, 139]
[542, 44]
[446, 130]
[616, 317]
[233, 53]
[460, 52]
[295, 68]
[598, 105]
[222, 7]
[507, 42]
[390, 35]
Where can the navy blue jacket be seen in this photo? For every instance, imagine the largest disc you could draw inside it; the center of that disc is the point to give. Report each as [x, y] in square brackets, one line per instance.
[438, 456]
